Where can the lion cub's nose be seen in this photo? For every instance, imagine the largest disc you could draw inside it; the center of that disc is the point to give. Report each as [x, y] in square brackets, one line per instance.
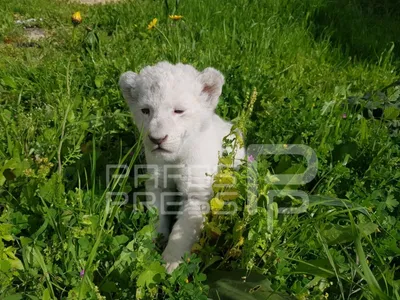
[158, 141]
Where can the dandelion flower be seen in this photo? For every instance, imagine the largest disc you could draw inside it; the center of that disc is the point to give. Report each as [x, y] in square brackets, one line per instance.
[76, 18]
[175, 17]
[152, 24]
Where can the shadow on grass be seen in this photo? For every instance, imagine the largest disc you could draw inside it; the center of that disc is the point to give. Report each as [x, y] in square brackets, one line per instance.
[364, 28]
[108, 154]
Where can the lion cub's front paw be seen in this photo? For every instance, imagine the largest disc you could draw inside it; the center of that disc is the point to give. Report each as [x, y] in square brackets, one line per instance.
[171, 266]
[171, 261]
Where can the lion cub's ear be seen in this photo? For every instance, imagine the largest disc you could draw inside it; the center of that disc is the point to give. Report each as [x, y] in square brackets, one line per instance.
[128, 83]
[212, 82]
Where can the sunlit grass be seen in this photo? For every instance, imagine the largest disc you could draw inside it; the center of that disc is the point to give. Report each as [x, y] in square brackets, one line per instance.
[60, 235]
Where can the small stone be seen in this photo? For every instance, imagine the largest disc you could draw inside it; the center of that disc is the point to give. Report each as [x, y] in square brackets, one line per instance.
[34, 34]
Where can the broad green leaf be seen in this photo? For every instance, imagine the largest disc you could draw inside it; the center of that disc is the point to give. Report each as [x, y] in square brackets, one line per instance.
[391, 203]
[52, 190]
[367, 228]
[99, 81]
[46, 295]
[14, 297]
[2, 179]
[5, 265]
[41, 229]
[12, 259]
[367, 273]
[7, 237]
[9, 81]
[11, 164]
[85, 244]
[391, 113]
[327, 107]
[152, 275]
[146, 231]
[317, 267]
[315, 200]
[120, 239]
[201, 277]
[337, 234]
[16, 264]
[234, 285]
[5, 230]
[71, 116]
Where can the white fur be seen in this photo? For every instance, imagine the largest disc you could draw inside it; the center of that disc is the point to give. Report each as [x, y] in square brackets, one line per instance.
[194, 141]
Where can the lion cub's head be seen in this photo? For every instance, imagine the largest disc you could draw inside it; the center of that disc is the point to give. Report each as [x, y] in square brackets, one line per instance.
[172, 104]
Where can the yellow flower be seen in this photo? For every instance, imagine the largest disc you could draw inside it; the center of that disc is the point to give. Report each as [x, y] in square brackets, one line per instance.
[175, 17]
[216, 204]
[76, 18]
[152, 24]
[224, 178]
[241, 241]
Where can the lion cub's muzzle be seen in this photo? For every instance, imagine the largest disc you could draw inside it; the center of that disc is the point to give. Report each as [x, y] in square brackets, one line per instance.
[158, 141]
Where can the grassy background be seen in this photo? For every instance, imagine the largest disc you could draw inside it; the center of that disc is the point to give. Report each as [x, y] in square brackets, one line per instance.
[319, 68]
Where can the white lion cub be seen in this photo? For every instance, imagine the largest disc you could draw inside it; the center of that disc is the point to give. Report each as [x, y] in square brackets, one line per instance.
[174, 105]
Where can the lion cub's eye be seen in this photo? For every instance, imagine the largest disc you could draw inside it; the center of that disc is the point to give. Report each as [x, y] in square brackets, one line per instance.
[145, 111]
[179, 111]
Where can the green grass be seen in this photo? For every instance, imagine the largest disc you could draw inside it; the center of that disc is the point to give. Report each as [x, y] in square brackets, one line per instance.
[319, 70]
